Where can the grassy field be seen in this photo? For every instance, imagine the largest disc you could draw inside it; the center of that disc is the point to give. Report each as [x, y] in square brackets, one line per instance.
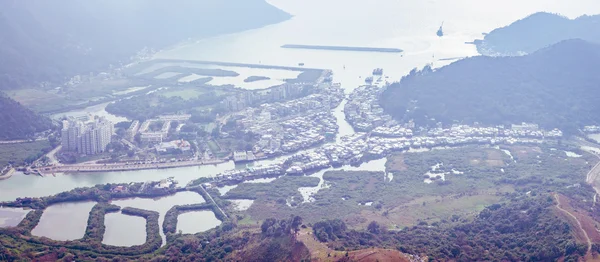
[214, 147]
[48, 100]
[475, 177]
[187, 93]
[19, 152]
[38, 100]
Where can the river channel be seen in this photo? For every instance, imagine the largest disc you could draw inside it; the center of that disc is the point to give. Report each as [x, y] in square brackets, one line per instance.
[410, 25]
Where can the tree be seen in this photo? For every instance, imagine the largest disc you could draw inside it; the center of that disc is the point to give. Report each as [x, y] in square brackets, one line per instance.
[269, 222]
[374, 228]
[296, 223]
[114, 156]
[215, 132]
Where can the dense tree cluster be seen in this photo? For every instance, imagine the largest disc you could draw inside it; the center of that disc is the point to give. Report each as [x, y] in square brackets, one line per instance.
[190, 70]
[522, 230]
[555, 87]
[329, 230]
[307, 76]
[537, 31]
[148, 106]
[95, 226]
[277, 228]
[19, 122]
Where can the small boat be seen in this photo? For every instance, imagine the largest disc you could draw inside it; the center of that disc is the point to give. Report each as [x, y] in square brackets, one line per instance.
[440, 32]
[301, 64]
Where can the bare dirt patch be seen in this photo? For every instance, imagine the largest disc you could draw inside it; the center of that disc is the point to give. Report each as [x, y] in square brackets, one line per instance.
[432, 209]
[378, 254]
[494, 163]
[371, 185]
[321, 252]
[396, 163]
[525, 151]
[495, 158]
[494, 154]
[352, 186]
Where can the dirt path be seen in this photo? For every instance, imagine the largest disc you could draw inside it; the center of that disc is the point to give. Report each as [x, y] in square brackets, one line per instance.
[580, 228]
[318, 250]
[321, 252]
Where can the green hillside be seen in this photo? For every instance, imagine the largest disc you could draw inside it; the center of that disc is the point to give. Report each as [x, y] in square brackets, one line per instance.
[556, 87]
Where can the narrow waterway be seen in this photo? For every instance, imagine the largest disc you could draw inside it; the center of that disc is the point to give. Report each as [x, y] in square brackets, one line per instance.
[308, 192]
[345, 129]
[21, 185]
[95, 110]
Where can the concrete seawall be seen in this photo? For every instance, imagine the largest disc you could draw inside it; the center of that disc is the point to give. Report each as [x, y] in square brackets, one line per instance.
[121, 167]
[345, 48]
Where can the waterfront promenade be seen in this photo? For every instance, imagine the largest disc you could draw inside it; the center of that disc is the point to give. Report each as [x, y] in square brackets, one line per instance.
[124, 167]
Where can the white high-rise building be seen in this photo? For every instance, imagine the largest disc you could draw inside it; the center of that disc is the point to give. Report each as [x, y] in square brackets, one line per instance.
[87, 138]
[72, 129]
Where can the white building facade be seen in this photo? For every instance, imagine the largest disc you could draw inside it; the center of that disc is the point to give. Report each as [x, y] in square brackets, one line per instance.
[87, 138]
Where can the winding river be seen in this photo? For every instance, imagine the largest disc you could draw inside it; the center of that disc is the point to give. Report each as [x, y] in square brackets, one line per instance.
[409, 25]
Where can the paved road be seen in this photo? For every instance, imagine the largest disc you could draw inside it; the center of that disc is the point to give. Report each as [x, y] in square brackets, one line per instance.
[124, 167]
[212, 200]
[592, 176]
[21, 141]
[52, 155]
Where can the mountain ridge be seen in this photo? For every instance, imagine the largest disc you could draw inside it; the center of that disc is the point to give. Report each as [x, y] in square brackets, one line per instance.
[537, 31]
[55, 40]
[19, 122]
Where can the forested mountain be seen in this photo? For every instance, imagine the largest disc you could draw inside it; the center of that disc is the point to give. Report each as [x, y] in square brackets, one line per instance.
[537, 31]
[18, 122]
[52, 40]
[556, 87]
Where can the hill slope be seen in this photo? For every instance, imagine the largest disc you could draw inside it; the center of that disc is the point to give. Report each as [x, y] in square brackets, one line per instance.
[556, 87]
[19, 122]
[50, 40]
[537, 31]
